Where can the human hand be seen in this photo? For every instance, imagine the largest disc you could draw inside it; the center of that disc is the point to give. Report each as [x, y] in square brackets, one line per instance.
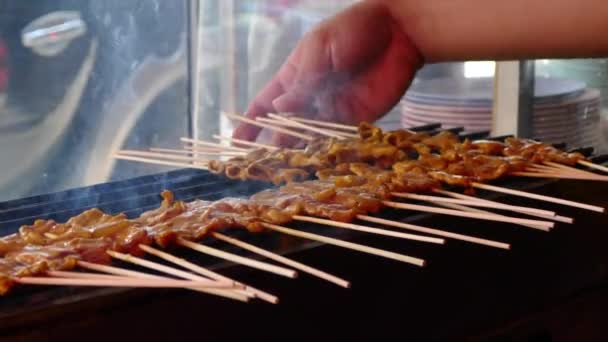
[353, 67]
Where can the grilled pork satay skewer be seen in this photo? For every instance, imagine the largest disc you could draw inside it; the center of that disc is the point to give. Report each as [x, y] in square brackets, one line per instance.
[345, 244]
[247, 290]
[450, 139]
[279, 258]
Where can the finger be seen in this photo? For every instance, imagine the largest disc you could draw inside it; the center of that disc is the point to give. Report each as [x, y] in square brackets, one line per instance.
[376, 90]
[323, 58]
[257, 108]
[283, 140]
[262, 103]
[335, 55]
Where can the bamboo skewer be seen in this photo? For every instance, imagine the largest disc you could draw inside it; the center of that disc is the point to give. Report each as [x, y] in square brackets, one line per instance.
[160, 162]
[245, 142]
[433, 231]
[123, 282]
[298, 125]
[480, 216]
[84, 275]
[476, 210]
[557, 172]
[544, 169]
[161, 156]
[543, 166]
[369, 229]
[593, 166]
[208, 151]
[279, 258]
[568, 169]
[322, 131]
[559, 175]
[233, 294]
[238, 259]
[462, 196]
[116, 270]
[538, 197]
[170, 270]
[268, 126]
[474, 203]
[326, 124]
[348, 245]
[197, 151]
[212, 145]
[247, 290]
[87, 275]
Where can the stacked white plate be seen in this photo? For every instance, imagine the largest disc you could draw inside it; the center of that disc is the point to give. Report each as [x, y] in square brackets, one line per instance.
[564, 110]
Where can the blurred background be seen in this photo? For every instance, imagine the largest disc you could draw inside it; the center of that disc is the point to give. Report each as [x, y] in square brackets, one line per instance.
[82, 78]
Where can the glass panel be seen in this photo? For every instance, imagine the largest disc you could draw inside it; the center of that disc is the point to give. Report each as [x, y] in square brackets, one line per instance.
[242, 44]
[579, 118]
[80, 78]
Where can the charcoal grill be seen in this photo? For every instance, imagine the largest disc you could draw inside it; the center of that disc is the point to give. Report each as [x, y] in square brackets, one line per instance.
[467, 292]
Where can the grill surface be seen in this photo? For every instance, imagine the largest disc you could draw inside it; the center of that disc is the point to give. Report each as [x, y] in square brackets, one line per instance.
[29, 306]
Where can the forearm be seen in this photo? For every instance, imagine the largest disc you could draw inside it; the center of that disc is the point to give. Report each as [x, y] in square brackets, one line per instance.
[454, 30]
